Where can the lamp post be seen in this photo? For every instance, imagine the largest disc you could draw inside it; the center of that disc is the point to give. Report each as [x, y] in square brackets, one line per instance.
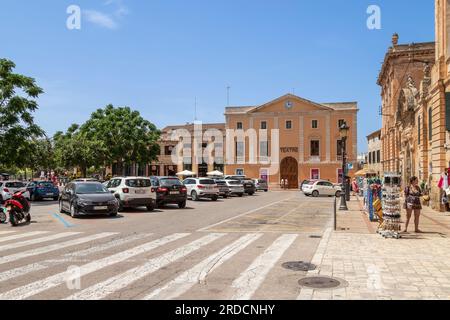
[343, 131]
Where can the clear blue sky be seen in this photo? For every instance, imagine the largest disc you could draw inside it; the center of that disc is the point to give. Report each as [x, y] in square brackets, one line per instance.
[157, 56]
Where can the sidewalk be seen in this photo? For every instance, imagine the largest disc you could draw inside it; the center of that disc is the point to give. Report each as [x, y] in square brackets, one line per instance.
[414, 267]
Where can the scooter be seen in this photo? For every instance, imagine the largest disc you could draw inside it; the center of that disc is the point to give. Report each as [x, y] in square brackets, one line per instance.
[3, 216]
[18, 209]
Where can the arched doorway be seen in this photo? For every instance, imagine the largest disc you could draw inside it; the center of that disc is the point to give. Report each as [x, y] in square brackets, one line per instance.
[289, 171]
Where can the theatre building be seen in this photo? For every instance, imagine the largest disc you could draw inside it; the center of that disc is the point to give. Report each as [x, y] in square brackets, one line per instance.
[309, 144]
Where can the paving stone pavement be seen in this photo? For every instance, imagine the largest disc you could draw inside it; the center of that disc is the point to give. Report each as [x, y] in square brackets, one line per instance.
[411, 268]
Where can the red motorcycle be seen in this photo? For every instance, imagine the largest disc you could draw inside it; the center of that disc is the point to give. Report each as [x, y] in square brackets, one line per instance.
[18, 209]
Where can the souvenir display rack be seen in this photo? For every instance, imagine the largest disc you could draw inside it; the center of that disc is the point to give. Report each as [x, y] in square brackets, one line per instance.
[391, 224]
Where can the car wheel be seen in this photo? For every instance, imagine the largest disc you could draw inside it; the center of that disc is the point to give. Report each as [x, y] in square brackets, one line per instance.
[73, 211]
[338, 194]
[194, 196]
[61, 209]
[150, 208]
[13, 220]
[315, 193]
[266, 190]
[225, 196]
[120, 206]
[114, 214]
[251, 193]
[55, 198]
[241, 195]
[215, 198]
[182, 205]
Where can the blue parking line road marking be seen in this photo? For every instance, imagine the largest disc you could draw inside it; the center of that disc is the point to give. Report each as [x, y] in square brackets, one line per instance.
[65, 223]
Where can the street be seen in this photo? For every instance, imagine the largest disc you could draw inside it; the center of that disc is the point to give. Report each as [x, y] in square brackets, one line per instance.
[230, 249]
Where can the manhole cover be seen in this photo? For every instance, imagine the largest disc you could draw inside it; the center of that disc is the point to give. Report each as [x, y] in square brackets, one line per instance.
[319, 283]
[299, 266]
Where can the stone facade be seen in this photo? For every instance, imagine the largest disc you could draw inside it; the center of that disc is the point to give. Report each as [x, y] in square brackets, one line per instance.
[414, 84]
[374, 155]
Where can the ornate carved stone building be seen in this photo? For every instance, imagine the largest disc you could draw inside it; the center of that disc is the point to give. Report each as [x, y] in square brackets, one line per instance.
[415, 90]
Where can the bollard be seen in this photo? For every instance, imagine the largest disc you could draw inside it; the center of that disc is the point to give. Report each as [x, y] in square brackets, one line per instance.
[335, 214]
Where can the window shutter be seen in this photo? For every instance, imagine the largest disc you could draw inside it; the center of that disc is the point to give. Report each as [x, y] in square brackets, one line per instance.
[447, 110]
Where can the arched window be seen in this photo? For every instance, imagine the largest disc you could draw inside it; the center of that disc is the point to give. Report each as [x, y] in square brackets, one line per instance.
[430, 125]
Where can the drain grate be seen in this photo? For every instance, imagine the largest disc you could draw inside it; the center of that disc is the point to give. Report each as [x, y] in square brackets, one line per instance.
[299, 266]
[319, 283]
[315, 237]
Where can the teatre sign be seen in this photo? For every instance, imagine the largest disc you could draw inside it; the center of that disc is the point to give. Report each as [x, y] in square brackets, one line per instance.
[289, 150]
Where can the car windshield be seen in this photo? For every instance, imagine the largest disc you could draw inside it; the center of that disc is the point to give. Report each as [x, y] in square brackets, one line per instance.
[138, 183]
[14, 185]
[90, 188]
[170, 182]
[221, 183]
[207, 181]
[311, 182]
[234, 183]
[45, 185]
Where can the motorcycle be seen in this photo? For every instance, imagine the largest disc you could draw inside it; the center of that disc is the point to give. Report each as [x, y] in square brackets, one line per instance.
[18, 209]
[3, 216]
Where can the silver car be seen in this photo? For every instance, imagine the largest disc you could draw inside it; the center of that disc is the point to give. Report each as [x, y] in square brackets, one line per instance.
[8, 188]
[261, 185]
[236, 188]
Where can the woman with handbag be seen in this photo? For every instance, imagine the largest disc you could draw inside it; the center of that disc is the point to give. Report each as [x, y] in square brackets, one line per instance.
[412, 203]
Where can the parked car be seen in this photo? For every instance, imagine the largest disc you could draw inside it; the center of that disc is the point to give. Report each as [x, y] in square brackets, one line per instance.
[8, 188]
[261, 185]
[304, 182]
[133, 192]
[202, 188]
[85, 180]
[169, 190]
[87, 198]
[318, 188]
[236, 188]
[40, 190]
[249, 185]
[224, 189]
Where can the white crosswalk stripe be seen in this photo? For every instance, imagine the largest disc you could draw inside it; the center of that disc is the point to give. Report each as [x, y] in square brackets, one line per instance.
[34, 267]
[198, 274]
[23, 235]
[120, 281]
[38, 240]
[101, 254]
[39, 286]
[6, 232]
[250, 280]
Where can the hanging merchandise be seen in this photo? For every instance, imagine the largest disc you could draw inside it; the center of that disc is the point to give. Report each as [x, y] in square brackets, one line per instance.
[391, 225]
[373, 194]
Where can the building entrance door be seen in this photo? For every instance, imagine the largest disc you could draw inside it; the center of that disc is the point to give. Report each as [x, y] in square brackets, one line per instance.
[289, 172]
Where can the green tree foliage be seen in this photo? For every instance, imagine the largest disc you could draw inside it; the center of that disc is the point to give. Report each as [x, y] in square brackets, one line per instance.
[18, 96]
[122, 135]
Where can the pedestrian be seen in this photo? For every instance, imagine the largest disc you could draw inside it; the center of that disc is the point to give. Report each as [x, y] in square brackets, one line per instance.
[355, 187]
[412, 203]
[282, 183]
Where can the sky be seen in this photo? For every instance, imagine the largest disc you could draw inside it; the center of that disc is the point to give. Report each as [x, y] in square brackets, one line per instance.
[159, 56]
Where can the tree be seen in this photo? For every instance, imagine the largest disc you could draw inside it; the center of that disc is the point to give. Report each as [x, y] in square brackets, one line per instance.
[122, 136]
[74, 150]
[40, 155]
[18, 96]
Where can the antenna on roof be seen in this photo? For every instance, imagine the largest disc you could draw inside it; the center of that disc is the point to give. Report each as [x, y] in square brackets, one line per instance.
[228, 96]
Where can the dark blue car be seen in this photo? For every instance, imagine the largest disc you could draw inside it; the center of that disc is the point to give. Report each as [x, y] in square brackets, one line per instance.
[42, 190]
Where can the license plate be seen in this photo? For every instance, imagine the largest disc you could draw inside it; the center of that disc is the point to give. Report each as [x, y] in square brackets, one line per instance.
[101, 208]
[174, 192]
[49, 194]
[140, 191]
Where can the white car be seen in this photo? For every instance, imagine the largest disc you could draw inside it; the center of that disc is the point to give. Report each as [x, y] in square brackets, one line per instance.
[317, 188]
[201, 188]
[236, 188]
[133, 192]
[8, 188]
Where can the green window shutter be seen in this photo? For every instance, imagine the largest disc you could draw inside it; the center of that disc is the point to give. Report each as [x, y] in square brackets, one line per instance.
[447, 110]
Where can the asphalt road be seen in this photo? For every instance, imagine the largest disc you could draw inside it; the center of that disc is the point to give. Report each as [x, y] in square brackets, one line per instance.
[230, 249]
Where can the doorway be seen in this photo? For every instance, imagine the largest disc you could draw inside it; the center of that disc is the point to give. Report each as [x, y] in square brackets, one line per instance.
[289, 172]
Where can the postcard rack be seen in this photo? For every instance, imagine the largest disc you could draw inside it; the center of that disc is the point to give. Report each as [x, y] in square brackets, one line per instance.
[390, 226]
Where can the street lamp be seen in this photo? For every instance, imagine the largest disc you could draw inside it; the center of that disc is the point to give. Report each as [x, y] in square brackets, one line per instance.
[343, 131]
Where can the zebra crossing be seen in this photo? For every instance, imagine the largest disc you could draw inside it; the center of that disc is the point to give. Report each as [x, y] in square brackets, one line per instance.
[110, 263]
